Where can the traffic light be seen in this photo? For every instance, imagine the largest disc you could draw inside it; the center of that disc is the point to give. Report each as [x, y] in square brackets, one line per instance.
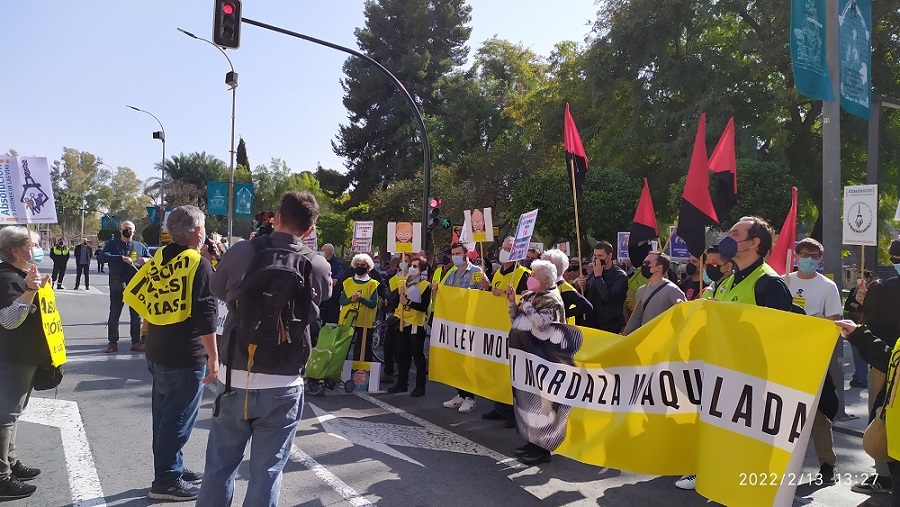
[435, 221]
[227, 23]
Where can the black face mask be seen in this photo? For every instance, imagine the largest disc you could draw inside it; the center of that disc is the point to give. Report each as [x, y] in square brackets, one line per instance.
[691, 269]
[446, 260]
[361, 270]
[713, 273]
[645, 272]
[126, 233]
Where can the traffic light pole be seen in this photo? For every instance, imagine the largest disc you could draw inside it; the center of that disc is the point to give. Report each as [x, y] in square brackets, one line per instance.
[426, 151]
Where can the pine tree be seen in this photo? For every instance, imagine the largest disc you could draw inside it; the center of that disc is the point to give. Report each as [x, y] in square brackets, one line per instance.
[242, 154]
[420, 42]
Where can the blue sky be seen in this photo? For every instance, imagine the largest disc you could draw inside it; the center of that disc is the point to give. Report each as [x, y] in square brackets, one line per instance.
[70, 68]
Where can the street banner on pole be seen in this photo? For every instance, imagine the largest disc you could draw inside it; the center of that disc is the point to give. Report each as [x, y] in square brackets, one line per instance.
[152, 215]
[217, 198]
[861, 215]
[677, 247]
[26, 193]
[622, 244]
[856, 56]
[524, 230]
[243, 199]
[811, 77]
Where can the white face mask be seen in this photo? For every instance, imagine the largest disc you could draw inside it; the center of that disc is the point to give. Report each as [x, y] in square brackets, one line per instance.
[504, 256]
[413, 272]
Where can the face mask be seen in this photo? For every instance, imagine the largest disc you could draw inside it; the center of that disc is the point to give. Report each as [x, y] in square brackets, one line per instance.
[691, 269]
[533, 284]
[413, 272]
[361, 270]
[403, 266]
[376, 266]
[602, 262]
[458, 260]
[711, 274]
[126, 233]
[645, 272]
[808, 266]
[445, 260]
[504, 256]
[37, 255]
[728, 247]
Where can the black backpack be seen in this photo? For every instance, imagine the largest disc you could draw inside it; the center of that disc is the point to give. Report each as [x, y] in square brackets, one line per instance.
[272, 313]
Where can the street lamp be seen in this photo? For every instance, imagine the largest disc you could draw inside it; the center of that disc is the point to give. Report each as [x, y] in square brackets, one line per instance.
[231, 80]
[161, 135]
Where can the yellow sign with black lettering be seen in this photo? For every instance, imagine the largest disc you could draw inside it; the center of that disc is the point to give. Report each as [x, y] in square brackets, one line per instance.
[161, 293]
[52, 325]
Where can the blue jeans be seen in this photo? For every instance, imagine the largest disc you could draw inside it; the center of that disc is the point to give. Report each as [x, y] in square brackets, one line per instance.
[176, 397]
[272, 417]
[860, 367]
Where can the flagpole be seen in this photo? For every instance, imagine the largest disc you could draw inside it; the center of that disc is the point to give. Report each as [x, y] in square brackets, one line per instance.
[577, 226]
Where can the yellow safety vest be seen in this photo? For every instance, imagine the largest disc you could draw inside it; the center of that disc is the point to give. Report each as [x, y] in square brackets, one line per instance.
[745, 292]
[407, 314]
[60, 251]
[163, 293]
[892, 409]
[366, 316]
[440, 276]
[502, 281]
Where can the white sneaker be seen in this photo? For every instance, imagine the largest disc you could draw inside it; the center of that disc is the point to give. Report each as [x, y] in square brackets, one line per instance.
[687, 482]
[455, 402]
[467, 406]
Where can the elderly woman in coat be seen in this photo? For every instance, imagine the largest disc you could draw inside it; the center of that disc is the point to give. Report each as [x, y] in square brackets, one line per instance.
[532, 332]
[23, 348]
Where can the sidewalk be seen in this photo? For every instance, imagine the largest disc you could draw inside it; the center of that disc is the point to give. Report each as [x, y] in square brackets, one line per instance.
[856, 400]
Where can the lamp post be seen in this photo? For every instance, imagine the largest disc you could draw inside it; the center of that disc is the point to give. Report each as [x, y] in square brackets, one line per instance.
[231, 79]
[161, 135]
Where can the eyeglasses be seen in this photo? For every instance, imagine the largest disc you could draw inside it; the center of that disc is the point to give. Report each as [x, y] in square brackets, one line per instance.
[807, 255]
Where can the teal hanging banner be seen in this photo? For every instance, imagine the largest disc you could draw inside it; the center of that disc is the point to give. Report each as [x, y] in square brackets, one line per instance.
[856, 56]
[243, 199]
[217, 198]
[153, 215]
[808, 49]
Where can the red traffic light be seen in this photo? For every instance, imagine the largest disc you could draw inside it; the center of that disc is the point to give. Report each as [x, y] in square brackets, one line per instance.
[434, 203]
[228, 8]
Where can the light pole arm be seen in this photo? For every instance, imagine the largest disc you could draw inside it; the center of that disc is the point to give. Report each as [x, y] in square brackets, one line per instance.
[426, 150]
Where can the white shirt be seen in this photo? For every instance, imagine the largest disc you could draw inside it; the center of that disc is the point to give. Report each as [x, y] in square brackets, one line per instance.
[818, 296]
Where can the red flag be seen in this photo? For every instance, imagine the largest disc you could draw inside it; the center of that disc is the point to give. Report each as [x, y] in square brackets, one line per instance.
[575, 155]
[782, 257]
[723, 162]
[697, 210]
[643, 228]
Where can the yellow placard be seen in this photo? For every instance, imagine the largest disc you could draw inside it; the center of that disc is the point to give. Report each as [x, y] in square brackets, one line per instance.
[52, 325]
[708, 387]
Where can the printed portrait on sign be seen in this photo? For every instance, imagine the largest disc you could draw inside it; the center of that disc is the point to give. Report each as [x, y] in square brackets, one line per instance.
[404, 237]
[478, 226]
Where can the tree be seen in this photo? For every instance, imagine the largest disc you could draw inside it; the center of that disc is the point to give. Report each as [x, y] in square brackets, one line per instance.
[420, 42]
[78, 182]
[333, 183]
[242, 154]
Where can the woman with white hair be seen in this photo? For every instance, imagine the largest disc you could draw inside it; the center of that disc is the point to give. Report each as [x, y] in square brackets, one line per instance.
[538, 307]
[576, 304]
[23, 348]
[359, 301]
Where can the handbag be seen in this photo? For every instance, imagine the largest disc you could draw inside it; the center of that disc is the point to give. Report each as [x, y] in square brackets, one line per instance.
[875, 438]
[47, 377]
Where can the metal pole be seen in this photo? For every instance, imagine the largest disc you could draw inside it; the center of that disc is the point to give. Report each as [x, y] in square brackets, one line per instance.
[872, 164]
[426, 151]
[832, 227]
[162, 167]
[231, 80]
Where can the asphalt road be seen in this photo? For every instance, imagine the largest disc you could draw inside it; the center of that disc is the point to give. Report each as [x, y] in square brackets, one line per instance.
[92, 441]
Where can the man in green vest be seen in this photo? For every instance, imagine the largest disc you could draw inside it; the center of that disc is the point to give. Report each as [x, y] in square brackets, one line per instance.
[60, 255]
[753, 281]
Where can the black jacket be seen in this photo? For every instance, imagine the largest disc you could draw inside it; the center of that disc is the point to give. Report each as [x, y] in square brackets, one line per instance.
[607, 293]
[25, 344]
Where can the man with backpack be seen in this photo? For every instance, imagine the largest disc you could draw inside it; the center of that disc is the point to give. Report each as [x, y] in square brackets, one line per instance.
[273, 286]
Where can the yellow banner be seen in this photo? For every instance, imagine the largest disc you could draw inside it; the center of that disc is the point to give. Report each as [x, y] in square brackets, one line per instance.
[719, 389]
[52, 324]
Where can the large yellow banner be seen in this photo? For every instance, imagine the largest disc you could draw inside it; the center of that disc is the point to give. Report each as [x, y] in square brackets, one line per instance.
[724, 390]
